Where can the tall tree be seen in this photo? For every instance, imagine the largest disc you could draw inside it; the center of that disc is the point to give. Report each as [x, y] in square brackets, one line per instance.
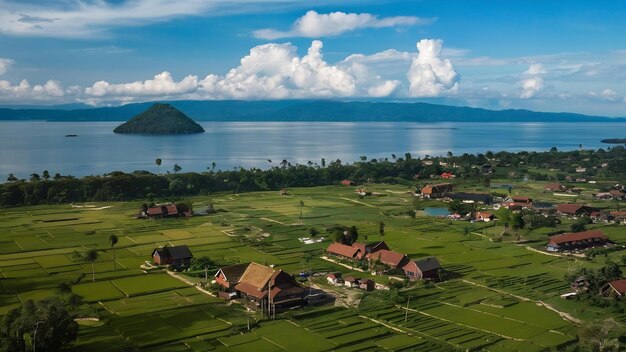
[46, 175]
[301, 206]
[11, 178]
[91, 256]
[113, 241]
[158, 164]
[177, 168]
[381, 229]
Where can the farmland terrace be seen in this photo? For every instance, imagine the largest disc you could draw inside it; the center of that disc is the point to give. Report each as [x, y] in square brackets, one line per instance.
[499, 296]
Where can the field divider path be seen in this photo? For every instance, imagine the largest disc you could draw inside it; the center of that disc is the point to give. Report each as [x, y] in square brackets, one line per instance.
[357, 202]
[563, 315]
[190, 283]
[342, 264]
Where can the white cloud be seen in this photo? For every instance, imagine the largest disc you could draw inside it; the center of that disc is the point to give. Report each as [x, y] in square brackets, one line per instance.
[430, 75]
[4, 65]
[275, 71]
[24, 92]
[316, 25]
[533, 83]
[161, 85]
[383, 90]
[86, 18]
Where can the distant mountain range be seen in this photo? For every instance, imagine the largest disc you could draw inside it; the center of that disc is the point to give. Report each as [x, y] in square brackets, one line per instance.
[298, 110]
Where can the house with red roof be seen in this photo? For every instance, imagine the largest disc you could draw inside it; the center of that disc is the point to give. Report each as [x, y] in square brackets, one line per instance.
[555, 187]
[343, 251]
[571, 209]
[437, 190]
[334, 278]
[389, 258]
[618, 216]
[484, 216]
[614, 289]
[368, 248]
[577, 240]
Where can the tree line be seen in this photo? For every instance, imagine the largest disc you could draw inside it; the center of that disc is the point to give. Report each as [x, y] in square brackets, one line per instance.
[120, 186]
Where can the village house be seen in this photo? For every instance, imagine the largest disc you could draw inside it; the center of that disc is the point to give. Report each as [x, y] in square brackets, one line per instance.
[517, 202]
[334, 278]
[367, 285]
[614, 289]
[577, 240]
[617, 194]
[484, 216]
[618, 216]
[574, 210]
[227, 277]
[427, 268]
[351, 281]
[437, 190]
[365, 249]
[347, 182]
[343, 251]
[390, 258]
[177, 256]
[555, 187]
[266, 288]
[600, 217]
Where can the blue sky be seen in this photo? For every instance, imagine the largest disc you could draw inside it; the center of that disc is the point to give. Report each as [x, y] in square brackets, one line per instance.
[540, 55]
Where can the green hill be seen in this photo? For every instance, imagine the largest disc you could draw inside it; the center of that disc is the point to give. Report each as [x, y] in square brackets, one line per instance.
[160, 119]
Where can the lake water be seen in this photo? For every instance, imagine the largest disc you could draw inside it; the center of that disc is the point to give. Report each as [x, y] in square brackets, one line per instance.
[436, 211]
[33, 146]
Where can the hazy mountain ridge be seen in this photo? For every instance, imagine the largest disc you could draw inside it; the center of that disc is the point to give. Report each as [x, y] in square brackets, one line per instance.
[305, 110]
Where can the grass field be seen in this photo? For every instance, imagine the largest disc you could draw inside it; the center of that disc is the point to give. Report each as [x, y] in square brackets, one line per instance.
[495, 298]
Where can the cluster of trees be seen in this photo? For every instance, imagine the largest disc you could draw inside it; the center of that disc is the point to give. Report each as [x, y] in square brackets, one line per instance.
[595, 280]
[120, 186]
[45, 325]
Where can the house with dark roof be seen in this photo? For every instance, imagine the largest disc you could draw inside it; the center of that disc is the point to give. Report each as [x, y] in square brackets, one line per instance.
[570, 209]
[426, 268]
[269, 289]
[577, 240]
[343, 251]
[175, 256]
[389, 258]
[368, 248]
[436, 191]
[614, 289]
[228, 276]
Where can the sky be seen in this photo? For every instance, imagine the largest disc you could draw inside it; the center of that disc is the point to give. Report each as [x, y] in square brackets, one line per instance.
[539, 55]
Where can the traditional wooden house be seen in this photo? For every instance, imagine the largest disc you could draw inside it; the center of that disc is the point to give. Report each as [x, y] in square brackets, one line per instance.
[154, 212]
[227, 277]
[427, 268]
[351, 281]
[484, 216]
[614, 289]
[334, 278]
[555, 187]
[177, 256]
[161, 211]
[437, 190]
[390, 258]
[367, 285]
[368, 248]
[570, 209]
[269, 289]
[577, 240]
[343, 251]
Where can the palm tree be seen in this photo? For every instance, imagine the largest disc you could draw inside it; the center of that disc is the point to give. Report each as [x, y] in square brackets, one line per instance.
[158, 163]
[213, 166]
[301, 206]
[177, 168]
[92, 256]
[113, 241]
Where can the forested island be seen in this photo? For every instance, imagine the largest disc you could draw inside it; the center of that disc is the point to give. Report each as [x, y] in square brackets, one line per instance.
[160, 119]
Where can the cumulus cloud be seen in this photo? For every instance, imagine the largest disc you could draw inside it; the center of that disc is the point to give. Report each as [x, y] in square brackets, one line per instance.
[533, 81]
[4, 65]
[161, 85]
[24, 92]
[316, 25]
[383, 90]
[429, 74]
[275, 71]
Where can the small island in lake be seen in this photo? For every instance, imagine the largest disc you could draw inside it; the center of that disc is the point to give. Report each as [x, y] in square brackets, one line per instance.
[160, 119]
[614, 141]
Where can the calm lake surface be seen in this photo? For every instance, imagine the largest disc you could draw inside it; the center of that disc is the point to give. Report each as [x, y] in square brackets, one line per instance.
[34, 146]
